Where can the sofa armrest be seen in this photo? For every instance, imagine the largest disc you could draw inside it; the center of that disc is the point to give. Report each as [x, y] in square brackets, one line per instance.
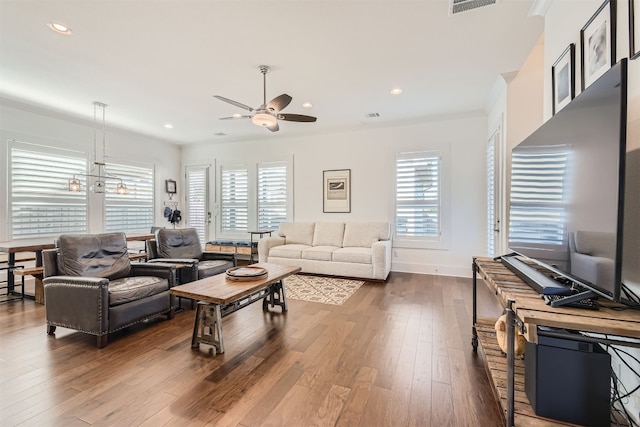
[226, 256]
[80, 303]
[381, 259]
[265, 244]
[165, 270]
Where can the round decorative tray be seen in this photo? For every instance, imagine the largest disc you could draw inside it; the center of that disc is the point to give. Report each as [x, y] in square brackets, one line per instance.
[246, 273]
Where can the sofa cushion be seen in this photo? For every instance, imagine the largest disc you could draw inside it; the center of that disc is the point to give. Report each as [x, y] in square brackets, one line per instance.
[297, 232]
[134, 288]
[328, 234]
[178, 243]
[365, 234]
[352, 255]
[93, 255]
[319, 253]
[212, 267]
[288, 251]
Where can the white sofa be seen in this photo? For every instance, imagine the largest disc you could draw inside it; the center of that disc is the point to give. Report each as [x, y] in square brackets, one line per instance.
[351, 249]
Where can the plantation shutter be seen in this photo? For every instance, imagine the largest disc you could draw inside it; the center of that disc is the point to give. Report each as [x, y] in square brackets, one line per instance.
[132, 211]
[538, 186]
[41, 203]
[491, 198]
[272, 196]
[234, 199]
[197, 213]
[418, 194]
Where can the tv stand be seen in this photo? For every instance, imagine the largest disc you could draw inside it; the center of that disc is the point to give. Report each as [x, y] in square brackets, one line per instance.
[526, 311]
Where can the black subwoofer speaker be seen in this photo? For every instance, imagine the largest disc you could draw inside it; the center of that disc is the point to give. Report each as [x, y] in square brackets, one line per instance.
[568, 380]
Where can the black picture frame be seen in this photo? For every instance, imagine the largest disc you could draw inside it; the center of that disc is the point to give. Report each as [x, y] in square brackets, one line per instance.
[170, 186]
[634, 29]
[563, 78]
[598, 43]
[336, 191]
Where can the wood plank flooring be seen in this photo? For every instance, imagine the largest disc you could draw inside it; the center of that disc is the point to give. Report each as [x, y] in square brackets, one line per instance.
[395, 354]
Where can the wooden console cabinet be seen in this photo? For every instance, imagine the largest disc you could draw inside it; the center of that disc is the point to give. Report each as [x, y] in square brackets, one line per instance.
[525, 312]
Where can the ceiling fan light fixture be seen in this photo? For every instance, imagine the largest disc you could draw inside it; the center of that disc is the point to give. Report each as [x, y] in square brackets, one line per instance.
[264, 119]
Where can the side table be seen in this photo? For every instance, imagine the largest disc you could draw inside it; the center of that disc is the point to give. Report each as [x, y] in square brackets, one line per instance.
[255, 244]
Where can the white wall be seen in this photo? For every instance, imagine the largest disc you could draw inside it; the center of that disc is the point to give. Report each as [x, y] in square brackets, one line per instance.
[39, 126]
[369, 153]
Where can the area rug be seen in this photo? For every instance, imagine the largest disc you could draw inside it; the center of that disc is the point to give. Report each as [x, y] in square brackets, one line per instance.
[325, 290]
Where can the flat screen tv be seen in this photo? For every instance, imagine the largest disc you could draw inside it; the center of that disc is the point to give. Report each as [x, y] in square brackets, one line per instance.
[567, 193]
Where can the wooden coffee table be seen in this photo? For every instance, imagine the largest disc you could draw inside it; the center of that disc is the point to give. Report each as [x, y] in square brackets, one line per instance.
[218, 297]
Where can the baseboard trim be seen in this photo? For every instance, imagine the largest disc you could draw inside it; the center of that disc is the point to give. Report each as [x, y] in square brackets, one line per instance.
[438, 270]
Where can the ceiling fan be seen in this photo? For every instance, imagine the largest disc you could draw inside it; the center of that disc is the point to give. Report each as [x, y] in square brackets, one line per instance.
[268, 114]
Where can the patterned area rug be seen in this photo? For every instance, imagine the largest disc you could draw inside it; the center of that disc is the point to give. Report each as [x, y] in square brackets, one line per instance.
[325, 290]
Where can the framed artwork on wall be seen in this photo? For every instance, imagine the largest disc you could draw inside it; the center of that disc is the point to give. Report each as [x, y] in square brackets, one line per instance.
[336, 190]
[563, 78]
[634, 29]
[170, 186]
[598, 43]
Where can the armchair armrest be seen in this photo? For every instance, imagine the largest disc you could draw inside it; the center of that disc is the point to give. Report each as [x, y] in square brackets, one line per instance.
[79, 303]
[158, 269]
[226, 256]
[265, 244]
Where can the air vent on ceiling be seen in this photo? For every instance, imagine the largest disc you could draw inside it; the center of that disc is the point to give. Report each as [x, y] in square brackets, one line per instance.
[220, 134]
[372, 115]
[458, 6]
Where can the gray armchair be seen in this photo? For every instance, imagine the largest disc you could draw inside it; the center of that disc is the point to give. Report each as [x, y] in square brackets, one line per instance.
[182, 246]
[90, 286]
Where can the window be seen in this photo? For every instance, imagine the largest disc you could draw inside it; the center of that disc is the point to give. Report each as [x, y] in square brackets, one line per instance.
[197, 211]
[41, 203]
[417, 210]
[538, 186]
[234, 199]
[132, 211]
[272, 195]
[491, 199]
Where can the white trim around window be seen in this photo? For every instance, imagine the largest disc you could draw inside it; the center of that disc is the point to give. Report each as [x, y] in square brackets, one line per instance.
[422, 214]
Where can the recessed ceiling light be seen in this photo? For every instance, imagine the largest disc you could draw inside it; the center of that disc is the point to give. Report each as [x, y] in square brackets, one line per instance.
[59, 28]
[168, 126]
[396, 91]
[307, 105]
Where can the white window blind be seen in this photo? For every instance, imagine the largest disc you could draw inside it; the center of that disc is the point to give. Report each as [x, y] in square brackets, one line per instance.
[41, 203]
[234, 200]
[491, 198]
[132, 211]
[418, 195]
[272, 195]
[197, 213]
[538, 187]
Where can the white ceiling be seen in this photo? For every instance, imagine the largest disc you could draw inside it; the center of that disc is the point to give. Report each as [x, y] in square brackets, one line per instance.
[157, 62]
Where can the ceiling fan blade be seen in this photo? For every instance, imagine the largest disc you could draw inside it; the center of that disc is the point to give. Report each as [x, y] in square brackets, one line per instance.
[232, 102]
[279, 103]
[235, 117]
[274, 127]
[296, 118]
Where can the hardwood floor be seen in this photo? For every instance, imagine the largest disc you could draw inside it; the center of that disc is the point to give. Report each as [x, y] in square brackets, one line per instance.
[395, 354]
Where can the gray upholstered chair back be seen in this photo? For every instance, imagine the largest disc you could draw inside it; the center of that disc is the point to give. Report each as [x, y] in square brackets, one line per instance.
[178, 243]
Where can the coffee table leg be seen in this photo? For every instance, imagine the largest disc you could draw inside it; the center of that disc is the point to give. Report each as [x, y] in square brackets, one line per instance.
[276, 296]
[208, 327]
